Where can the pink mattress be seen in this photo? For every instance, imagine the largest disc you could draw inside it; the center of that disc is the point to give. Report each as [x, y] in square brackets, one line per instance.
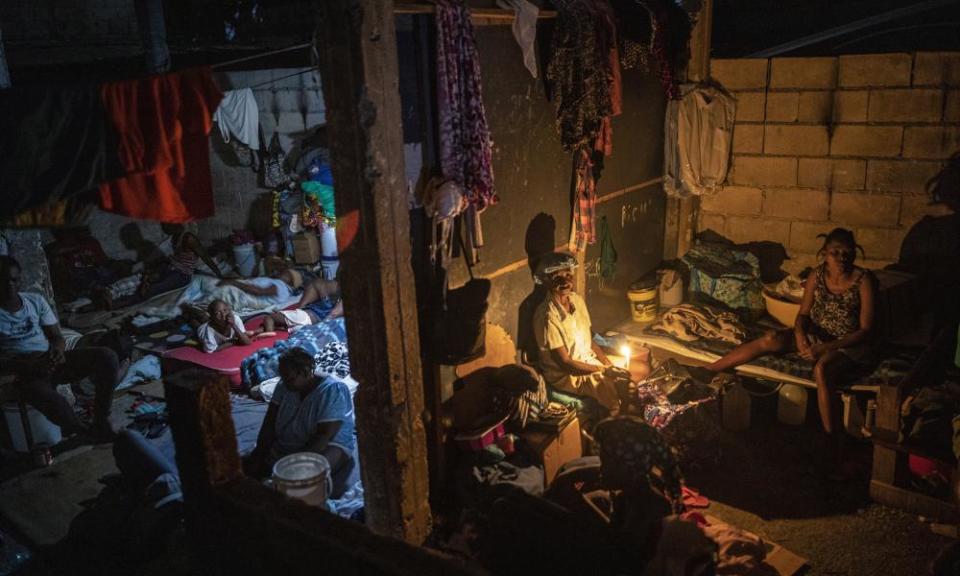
[226, 361]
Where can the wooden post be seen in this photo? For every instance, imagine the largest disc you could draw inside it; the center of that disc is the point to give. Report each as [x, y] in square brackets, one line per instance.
[358, 64]
[682, 214]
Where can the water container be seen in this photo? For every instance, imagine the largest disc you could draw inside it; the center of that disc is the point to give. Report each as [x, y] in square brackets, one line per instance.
[792, 404]
[304, 476]
[245, 257]
[736, 408]
[44, 431]
[329, 255]
[643, 300]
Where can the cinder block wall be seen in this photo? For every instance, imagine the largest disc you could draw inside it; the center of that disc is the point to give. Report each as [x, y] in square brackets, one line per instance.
[823, 142]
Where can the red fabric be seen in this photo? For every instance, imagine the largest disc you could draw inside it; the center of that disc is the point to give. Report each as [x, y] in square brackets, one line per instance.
[163, 122]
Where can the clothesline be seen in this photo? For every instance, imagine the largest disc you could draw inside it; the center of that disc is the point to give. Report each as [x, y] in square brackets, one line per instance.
[489, 13]
[262, 55]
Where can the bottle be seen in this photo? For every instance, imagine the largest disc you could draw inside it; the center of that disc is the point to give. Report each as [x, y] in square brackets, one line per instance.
[736, 407]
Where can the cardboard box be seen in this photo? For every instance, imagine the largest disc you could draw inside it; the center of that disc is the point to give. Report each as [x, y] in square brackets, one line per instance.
[553, 449]
[306, 248]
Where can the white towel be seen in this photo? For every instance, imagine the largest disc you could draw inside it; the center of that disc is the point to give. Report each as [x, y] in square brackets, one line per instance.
[239, 115]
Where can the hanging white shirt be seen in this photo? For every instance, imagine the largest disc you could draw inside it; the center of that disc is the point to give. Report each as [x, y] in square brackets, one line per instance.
[239, 115]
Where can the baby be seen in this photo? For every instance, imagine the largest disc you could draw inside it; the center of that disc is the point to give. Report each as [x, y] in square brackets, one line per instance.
[224, 329]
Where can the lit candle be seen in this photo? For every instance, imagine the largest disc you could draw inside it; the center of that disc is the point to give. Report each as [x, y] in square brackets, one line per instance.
[625, 352]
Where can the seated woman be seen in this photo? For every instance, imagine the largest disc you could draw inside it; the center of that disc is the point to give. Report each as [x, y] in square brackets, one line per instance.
[170, 274]
[307, 413]
[834, 328]
[224, 329]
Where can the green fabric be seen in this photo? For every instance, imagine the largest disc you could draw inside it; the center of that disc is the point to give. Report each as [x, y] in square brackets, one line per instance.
[323, 194]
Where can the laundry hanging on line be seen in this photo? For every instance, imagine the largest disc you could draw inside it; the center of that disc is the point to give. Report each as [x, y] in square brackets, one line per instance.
[239, 115]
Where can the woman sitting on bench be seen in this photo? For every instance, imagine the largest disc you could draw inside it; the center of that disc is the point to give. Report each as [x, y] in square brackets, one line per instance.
[834, 328]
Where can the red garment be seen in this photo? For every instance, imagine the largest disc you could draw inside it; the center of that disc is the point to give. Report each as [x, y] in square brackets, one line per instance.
[163, 122]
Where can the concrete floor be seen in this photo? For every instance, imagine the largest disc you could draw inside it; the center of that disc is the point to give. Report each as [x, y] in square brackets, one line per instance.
[767, 483]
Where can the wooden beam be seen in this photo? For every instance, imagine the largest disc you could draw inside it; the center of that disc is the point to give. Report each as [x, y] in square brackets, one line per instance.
[358, 64]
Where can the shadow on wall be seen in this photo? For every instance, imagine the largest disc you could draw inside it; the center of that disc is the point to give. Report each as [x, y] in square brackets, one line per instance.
[540, 240]
[931, 249]
[132, 239]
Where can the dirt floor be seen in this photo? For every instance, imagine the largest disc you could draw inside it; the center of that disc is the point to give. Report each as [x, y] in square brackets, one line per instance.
[768, 483]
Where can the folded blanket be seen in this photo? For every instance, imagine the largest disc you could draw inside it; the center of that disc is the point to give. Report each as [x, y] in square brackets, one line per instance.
[688, 322]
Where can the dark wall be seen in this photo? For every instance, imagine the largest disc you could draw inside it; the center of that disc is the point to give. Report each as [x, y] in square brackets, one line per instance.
[533, 175]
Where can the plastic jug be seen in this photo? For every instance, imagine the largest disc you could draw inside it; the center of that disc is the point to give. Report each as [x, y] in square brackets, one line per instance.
[736, 407]
[792, 404]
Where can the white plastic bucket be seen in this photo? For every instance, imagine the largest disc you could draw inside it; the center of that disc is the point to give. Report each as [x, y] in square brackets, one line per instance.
[245, 258]
[792, 404]
[304, 476]
[736, 408]
[44, 431]
[329, 254]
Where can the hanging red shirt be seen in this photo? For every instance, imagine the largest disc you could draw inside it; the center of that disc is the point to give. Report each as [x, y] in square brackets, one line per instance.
[163, 122]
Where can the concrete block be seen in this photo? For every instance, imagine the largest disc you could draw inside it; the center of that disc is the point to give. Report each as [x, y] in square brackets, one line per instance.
[913, 207]
[798, 262]
[850, 105]
[803, 237]
[937, 69]
[872, 141]
[782, 106]
[748, 229]
[796, 140]
[880, 243]
[759, 171]
[748, 138]
[815, 107]
[930, 141]
[733, 200]
[850, 210]
[875, 70]
[830, 174]
[914, 105]
[750, 106]
[710, 221]
[951, 112]
[740, 74]
[900, 175]
[803, 72]
[796, 203]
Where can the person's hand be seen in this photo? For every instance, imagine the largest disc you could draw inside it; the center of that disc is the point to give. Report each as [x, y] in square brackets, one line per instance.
[803, 344]
[57, 356]
[813, 352]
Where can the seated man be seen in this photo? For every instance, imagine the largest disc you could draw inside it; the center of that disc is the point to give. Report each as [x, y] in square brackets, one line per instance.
[32, 348]
[570, 360]
[307, 413]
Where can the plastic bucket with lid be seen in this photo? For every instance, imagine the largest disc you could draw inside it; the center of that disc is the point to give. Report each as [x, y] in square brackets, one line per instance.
[304, 476]
[643, 300]
[245, 258]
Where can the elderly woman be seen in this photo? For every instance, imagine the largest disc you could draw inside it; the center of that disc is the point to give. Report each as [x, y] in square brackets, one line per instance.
[570, 360]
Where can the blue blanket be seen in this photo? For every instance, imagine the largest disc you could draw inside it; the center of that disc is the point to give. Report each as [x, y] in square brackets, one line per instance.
[262, 364]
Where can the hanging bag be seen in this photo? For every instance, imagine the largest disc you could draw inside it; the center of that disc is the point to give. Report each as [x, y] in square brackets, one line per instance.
[462, 324]
[272, 174]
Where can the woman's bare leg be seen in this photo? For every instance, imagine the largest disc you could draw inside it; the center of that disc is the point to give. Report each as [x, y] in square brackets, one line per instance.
[826, 372]
[770, 343]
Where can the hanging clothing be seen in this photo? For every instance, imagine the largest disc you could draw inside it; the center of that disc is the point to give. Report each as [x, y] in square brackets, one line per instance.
[583, 231]
[524, 29]
[699, 137]
[239, 115]
[164, 122]
[55, 143]
[466, 150]
[578, 75]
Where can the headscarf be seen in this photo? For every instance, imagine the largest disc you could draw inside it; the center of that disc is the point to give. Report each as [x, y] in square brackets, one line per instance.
[553, 262]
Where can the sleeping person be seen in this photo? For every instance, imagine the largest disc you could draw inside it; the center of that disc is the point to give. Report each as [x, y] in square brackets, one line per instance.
[272, 288]
[320, 301]
[224, 329]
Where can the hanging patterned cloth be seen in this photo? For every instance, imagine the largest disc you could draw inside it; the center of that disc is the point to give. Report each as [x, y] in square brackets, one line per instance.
[466, 151]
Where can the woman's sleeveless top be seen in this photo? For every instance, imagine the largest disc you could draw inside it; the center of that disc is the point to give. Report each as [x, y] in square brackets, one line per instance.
[837, 314]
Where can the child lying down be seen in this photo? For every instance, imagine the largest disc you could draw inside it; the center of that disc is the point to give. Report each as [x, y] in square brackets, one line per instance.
[224, 329]
[320, 301]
